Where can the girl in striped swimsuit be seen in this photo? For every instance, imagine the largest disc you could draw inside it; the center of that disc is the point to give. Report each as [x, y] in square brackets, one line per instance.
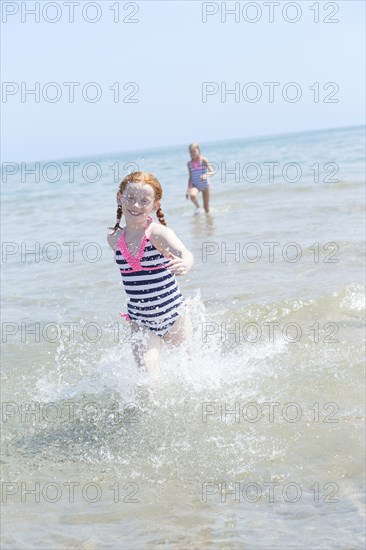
[199, 171]
[149, 255]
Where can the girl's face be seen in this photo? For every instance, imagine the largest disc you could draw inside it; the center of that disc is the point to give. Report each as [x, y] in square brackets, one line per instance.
[195, 153]
[138, 201]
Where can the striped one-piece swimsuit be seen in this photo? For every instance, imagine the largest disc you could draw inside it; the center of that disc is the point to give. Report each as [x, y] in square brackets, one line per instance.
[153, 296]
[198, 169]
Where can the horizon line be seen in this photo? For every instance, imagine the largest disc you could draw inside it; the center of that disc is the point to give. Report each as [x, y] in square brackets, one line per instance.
[204, 143]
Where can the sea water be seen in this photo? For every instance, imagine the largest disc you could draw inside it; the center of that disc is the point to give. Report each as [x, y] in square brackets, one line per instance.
[258, 441]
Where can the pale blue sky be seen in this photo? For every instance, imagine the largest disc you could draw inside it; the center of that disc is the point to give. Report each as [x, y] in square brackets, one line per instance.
[169, 53]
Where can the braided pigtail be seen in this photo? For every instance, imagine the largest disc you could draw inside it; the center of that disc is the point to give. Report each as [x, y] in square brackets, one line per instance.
[119, 214]
[160, 216]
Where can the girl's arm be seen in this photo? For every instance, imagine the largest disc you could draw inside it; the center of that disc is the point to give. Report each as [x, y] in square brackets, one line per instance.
[113, 239]
[166, 241]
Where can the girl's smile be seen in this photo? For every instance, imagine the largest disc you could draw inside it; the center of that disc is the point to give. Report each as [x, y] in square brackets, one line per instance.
[134, 213]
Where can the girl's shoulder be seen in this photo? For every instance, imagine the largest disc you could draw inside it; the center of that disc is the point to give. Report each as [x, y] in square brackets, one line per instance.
[113, 239]
[156, 230]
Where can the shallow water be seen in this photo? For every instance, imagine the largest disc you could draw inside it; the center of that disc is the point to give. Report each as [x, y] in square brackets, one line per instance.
[256, 443]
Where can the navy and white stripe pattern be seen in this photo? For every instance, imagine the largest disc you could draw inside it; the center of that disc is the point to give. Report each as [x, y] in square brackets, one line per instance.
[196, 174]
[153, 296]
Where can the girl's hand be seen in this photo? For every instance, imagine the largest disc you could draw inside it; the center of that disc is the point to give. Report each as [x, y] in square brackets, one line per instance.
[177, 265]
[203, 177]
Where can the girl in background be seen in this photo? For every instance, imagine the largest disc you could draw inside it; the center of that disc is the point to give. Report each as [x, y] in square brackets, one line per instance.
[149, 256]
[199, 172]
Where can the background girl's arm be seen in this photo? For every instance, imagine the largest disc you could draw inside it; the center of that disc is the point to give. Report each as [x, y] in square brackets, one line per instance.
[166, 241]
[210, 170]
[189, 181]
